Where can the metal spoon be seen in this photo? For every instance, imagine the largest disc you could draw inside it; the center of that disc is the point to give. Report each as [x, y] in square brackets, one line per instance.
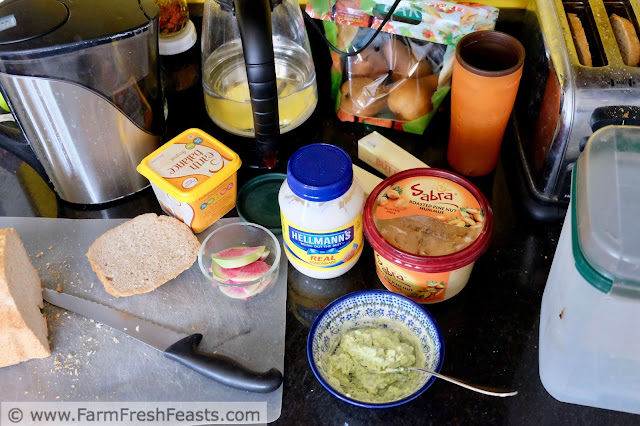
[486, 390]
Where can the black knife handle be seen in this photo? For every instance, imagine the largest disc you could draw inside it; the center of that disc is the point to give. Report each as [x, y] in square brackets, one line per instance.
[221, 368]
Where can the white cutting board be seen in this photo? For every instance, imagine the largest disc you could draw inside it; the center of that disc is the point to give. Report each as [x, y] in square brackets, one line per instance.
[91, 362]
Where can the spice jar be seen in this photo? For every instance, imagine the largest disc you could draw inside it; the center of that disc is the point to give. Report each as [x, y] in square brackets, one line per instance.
[321, 212]
[179, 61]
[173, 16]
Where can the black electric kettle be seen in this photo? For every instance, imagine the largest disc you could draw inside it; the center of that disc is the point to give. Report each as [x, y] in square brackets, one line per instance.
[258, 75]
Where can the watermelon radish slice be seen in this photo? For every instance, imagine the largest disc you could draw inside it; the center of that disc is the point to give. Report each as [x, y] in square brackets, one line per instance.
[247, 292]
[264, 255]
[241, 275]
[237, 257]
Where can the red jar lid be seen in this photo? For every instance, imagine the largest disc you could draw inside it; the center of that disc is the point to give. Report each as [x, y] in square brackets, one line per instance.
[429, 194]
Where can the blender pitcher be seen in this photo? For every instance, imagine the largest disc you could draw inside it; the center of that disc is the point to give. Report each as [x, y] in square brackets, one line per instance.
[257, 73]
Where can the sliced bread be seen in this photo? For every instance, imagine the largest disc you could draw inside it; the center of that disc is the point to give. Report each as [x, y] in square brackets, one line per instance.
[580, 40]
[23, 328]
[627, 39]
[142, 254]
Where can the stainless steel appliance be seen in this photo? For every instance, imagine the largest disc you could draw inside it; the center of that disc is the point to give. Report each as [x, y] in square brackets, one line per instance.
[82, 80]
[561, 102]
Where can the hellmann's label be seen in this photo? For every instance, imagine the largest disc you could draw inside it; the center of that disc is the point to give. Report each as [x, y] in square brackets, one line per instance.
[186, 164]
[321, 251]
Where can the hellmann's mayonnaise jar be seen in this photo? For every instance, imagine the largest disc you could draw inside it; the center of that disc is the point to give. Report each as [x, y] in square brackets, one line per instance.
[321, 211]
[194, 178]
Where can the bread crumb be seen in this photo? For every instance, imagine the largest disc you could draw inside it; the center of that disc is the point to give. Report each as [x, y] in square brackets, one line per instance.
[58, 397]
[115, 340]
[137, 328]
[80, 281]
[40, 254]
[50, 247]
[59, 288]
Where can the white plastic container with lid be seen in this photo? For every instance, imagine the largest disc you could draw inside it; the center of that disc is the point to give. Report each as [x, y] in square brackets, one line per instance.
[590, 316]
[321, 212]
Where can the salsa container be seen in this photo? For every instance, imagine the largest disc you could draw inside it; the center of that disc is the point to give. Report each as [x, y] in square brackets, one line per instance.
[194, 178]
[435, 197]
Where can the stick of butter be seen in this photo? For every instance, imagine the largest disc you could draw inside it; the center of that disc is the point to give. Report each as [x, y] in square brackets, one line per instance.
[385, 156]
[368, 181]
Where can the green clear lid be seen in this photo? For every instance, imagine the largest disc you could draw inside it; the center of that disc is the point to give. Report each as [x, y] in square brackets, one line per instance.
[257, 201]
[606, 211]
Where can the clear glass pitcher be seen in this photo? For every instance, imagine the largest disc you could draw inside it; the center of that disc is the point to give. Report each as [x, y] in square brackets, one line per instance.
[236, 29]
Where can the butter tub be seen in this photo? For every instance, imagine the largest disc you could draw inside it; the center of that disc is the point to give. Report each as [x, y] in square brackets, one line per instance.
[194, 178]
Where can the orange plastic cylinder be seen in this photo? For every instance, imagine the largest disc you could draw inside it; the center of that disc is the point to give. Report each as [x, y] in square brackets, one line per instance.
[486, 76]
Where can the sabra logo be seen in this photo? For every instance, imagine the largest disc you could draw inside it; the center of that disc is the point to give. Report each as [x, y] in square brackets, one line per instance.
[386, 271]
[438, 195]
[389, 273]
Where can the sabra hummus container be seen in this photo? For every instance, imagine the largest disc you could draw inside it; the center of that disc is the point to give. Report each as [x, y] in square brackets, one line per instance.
[427, 227]
[194, 178]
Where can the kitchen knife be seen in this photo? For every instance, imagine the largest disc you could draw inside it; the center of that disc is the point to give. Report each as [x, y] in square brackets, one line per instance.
[182, 348]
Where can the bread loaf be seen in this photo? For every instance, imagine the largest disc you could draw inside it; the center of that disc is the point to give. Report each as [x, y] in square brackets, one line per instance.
[580, 40]
[23, 328]
[142, 254]
[627, 40]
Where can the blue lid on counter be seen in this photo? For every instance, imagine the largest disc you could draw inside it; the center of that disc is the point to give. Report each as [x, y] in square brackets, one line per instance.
[319, 172]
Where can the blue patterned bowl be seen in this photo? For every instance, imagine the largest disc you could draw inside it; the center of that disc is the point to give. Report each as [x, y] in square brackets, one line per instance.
[374, 308]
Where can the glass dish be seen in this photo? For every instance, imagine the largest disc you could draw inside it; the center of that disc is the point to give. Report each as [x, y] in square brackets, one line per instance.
[236, 235]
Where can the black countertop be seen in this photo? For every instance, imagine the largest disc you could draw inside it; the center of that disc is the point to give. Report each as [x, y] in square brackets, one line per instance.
[490, 329]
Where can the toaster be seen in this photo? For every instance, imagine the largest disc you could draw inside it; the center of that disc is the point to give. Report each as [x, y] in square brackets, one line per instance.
[561, 102]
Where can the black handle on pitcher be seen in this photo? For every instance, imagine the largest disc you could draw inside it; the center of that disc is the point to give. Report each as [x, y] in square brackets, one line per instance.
[12, 140]
[254, 23]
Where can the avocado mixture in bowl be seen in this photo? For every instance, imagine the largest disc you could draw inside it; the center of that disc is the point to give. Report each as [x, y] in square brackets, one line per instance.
[362, 334]
[364, 352]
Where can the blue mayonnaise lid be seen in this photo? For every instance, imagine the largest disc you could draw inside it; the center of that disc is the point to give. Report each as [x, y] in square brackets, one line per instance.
[319, 172]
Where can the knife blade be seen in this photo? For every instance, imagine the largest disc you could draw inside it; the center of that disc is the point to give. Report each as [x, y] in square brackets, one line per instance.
[179, 347]
[152, 334]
